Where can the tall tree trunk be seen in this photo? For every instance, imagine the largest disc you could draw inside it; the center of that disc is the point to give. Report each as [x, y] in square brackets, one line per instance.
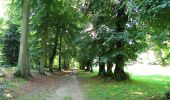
[122, 18]
[60, 52]
[23, 62]
[52, 57]
[44, 37]
[44, 49]
[109, 69]
[102, 71]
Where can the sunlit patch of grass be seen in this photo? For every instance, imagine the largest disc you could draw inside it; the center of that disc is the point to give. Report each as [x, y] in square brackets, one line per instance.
[138, 88]
[67, 98]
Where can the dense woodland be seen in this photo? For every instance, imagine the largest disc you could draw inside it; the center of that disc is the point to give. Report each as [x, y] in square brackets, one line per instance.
[39, 33]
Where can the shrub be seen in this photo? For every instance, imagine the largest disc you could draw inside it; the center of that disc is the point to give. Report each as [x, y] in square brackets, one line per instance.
[11, 44]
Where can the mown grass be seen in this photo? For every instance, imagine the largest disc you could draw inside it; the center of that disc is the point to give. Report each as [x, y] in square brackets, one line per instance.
[138, 88]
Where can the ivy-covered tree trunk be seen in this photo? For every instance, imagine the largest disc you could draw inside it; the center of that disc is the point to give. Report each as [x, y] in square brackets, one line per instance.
[102, 71]
[52, 57]
[109, 69]
[121, 20]
[23, 62]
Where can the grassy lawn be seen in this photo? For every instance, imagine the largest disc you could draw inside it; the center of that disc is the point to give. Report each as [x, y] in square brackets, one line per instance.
[140, 87]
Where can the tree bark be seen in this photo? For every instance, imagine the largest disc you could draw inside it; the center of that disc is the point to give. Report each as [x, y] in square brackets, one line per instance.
[82, 65]
[119, 73]
[122, 19]
[51, 61]
[89, 66]
[109, 69]
[65, 63]
[44, 37]
[23, 62]
[102, 71]
[44, 49]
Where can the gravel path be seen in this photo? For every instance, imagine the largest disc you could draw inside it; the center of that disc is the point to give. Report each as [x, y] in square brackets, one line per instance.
[68, 88]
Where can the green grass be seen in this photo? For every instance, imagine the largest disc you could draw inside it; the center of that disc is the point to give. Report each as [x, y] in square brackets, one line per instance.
[36, 95]
[138, 88]
[12, 84]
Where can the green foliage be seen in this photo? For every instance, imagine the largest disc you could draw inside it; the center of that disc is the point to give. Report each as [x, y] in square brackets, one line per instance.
[101, 40]
[11, 45]
[1, 26]
[152, 13]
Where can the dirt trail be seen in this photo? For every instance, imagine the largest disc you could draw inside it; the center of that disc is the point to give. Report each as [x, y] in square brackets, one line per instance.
[68, 88]
[58, 86]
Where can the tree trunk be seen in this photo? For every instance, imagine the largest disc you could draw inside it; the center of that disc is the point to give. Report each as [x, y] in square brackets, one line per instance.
[65, 63]
[60, 52]
[122, 19]
[91, 69]
[51, 61]
[23, 62]
[82, 65]
[102, 71]
[119, 73]
[68, 65]
[44, 49]
[109, 69]
[88, 66]
[45, 39]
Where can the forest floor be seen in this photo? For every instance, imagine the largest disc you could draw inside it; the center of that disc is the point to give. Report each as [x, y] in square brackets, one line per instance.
[54, 86]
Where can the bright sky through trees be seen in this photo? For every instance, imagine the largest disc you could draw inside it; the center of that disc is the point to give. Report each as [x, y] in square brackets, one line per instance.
[2, 9]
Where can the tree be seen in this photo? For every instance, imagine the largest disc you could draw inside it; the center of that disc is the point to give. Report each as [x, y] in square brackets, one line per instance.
[23, 62]
[118, 38]
[54, 52]
[154, 19]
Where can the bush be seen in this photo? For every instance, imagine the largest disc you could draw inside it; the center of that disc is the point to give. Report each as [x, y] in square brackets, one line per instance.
[167, 94]
[11, 44]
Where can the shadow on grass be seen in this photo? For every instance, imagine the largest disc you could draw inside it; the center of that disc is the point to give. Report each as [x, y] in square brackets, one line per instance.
[138, 88]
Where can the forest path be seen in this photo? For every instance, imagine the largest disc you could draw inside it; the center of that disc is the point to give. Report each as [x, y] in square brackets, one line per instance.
[68, 87]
